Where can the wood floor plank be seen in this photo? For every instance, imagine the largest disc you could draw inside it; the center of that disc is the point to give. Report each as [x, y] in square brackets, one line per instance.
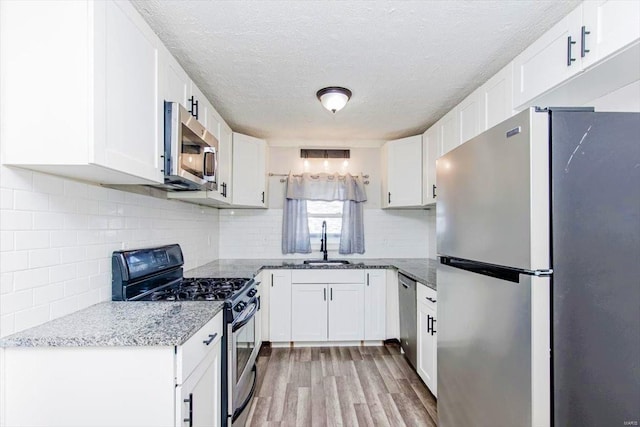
[385, 373]
[427, 399]
[411, 407]
[391, 410]
[363, 415]
[303, 409]
[332, 402]
[318, 406]
[346, 398]
[280, 357]
[290, 410]
[260, 411]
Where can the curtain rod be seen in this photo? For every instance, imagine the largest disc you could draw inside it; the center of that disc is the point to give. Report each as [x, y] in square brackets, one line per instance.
[365, 177]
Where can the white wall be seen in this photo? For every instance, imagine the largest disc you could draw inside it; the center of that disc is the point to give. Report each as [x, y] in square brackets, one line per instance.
[57, 237]
[388, 233]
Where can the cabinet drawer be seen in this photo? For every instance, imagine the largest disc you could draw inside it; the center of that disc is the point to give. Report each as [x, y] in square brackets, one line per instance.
[427, 296]
[327, 276]
[192, 352]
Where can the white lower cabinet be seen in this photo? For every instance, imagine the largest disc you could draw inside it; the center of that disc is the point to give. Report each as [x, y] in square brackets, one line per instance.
[279, 304]
[375, 305]
[140, 386]
[346, 312]
[309, 312]
[198, 398]
[427, 337]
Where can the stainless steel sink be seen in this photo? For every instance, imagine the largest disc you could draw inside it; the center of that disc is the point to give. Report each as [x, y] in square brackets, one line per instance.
[327, 262]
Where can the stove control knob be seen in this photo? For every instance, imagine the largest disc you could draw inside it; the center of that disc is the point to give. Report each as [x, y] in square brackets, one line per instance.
[252, 292]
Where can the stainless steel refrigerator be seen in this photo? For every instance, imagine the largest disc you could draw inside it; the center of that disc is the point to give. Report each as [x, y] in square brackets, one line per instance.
[538, 236]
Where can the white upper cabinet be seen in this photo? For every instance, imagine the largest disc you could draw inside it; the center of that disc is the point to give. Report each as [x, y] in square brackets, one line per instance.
[430, 152]
[403, 172]
[591, 33]
[225, 162]
[96, 76]
[249, 171]
[497, 97]
[448, 130]
[609, 25]
[471, 116]
[550, 60]
[175, 85]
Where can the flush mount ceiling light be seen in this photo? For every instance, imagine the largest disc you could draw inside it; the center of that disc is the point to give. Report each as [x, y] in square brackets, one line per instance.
[334, 98]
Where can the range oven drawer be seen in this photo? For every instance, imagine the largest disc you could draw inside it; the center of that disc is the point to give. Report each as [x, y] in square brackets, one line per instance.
[192, 352]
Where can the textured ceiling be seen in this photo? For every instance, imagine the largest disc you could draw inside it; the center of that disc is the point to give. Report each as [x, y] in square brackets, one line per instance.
[260, 63]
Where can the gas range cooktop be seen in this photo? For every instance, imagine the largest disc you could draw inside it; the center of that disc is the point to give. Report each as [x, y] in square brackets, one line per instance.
[201, 289]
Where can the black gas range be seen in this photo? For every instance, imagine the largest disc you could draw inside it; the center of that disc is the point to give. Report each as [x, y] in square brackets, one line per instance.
[156, 274]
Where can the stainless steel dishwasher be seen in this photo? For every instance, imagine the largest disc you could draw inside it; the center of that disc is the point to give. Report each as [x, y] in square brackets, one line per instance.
[408, 326]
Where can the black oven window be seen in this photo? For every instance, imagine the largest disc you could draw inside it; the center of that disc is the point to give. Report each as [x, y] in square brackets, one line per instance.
[245, 342]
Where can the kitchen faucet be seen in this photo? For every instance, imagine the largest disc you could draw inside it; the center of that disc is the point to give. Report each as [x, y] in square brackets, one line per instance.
[323, 241]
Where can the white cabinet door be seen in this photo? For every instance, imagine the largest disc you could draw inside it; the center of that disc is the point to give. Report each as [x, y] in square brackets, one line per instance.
[427, 347]
[612, 25]
[199, 397]
[497, 96]
[225, 160]
[346, 312]
[471, 116]
[375, 303]
[404, 172]
[279, 305]
[549, 61]
[430, 144]
[309, 312]
[249, 161]
[132, 141]
[174, 81]
[448, 131]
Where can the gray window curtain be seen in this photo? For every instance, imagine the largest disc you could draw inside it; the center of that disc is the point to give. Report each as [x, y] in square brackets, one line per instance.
[295, 227]
[327, 187]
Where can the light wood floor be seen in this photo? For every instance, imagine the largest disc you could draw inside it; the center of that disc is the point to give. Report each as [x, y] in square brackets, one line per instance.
[339, 386]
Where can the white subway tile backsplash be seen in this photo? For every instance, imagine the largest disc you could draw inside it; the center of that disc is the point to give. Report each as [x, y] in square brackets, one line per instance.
[47, 294]
[6, 241]
[16, 178]
[62, 272]
[31, 317]
[7, 324]
[63, 307]
[14, 261]
[48, 184]
[15, 220]
[44, 257]
[16, 301]
[32, 240]
[6, 283]
[31, 278]
[76, 286]
[48, 221]
[30, 201]
[6, 198]
[58, 235]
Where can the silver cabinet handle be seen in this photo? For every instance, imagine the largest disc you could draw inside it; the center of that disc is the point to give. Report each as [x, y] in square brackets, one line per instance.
[430, 299]
[367, 279]
[325, 293]
[405, 285]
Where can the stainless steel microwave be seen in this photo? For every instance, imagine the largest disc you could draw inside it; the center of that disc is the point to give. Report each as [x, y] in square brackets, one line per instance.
[190, 152]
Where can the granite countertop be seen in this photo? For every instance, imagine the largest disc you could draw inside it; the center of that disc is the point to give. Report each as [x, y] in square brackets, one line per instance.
[120, 323]
[422, 270]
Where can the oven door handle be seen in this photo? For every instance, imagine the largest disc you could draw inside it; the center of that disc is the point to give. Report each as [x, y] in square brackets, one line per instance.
[242, 407]
[245, 318]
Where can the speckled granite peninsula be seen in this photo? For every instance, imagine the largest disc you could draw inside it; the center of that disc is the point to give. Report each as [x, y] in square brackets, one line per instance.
[121, 323]
[421, 269]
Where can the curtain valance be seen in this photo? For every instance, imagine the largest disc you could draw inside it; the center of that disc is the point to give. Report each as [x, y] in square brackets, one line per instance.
[326, 187]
